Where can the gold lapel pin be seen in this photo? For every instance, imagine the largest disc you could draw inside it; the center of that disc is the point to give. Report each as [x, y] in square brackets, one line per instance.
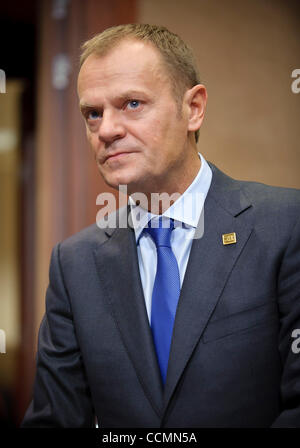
[229, 238]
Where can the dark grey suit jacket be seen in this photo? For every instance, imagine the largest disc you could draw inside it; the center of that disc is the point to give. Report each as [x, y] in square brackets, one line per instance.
[231, 362]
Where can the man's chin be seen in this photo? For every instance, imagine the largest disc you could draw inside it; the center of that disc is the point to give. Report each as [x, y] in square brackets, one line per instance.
[114, 182]
[114, 179]
[134, 181]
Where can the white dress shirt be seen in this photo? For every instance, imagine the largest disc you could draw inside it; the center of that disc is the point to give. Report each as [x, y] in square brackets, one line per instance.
[186, 212]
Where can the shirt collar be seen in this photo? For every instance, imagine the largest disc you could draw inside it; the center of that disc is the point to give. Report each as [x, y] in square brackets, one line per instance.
[187, 209]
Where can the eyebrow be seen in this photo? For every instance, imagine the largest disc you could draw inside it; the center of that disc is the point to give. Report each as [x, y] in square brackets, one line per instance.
[126, 95]
[132, 94]
[85, 106]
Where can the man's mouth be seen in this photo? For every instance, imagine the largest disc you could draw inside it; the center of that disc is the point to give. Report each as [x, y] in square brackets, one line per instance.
[117, 155]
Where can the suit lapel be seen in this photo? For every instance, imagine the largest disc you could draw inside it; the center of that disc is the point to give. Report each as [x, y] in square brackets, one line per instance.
[208, 269]
[118, 270]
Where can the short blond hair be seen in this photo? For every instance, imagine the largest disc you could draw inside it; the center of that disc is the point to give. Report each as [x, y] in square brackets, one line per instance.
[176, 55]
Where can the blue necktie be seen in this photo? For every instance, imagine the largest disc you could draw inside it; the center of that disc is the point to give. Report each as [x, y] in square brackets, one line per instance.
[165, 293]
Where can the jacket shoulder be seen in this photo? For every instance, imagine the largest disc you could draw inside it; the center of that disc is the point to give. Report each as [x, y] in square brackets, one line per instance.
[95, 234]
[258, 194]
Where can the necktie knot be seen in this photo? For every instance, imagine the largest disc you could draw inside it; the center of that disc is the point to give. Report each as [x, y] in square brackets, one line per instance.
[160, 232]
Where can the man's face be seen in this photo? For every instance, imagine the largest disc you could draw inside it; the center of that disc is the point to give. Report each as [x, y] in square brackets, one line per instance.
[138, 135]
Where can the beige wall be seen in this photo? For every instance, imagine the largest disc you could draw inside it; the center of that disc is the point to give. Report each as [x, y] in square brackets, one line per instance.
[246, 51]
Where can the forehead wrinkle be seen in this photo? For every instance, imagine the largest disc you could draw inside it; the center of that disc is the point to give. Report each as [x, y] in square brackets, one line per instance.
[101, 78]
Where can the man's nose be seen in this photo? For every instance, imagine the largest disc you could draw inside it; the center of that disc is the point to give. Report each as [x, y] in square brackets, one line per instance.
[111, 127]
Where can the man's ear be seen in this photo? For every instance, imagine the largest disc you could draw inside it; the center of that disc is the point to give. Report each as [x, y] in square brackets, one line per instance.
[196, 99]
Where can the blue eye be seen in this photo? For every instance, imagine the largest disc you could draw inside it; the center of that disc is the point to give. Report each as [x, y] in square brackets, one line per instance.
[133, 104]
[93, 115]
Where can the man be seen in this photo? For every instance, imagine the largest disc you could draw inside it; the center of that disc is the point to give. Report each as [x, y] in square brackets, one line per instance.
[178, 320]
